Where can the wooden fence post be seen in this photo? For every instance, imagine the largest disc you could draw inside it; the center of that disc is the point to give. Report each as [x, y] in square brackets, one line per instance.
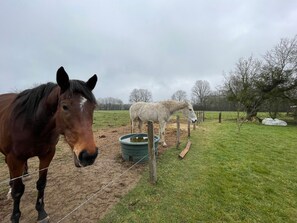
[152, 153]
[189, 129]
[220, 117]
[177, 131]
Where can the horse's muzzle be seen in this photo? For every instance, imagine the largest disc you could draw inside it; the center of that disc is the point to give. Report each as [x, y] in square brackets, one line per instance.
[85, 158]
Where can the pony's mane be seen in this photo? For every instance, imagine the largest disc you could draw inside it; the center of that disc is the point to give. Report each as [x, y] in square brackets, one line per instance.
[27, 101]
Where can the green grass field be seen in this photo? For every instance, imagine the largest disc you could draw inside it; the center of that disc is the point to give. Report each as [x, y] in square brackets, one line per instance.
[226, 177]
[107, 119]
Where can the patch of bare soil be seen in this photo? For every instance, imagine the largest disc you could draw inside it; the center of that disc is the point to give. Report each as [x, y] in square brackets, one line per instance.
[80, 194]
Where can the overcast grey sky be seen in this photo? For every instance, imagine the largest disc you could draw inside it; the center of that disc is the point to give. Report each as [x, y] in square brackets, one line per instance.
[159, 45]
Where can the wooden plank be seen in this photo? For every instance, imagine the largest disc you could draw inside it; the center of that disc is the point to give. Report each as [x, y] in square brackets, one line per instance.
[186, 150]
[152, 154]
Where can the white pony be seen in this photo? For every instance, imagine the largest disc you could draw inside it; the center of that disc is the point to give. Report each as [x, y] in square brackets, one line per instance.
[159, 112]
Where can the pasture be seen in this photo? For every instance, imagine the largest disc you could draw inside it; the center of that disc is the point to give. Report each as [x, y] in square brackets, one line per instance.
[226, 177]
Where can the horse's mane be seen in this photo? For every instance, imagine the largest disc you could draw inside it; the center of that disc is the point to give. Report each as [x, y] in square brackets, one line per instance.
[27, 101]
[170, 103]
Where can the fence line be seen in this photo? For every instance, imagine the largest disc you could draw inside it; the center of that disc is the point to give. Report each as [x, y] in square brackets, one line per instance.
[13, 179]
[92, 195]
[31, 173]
[96, 192]
[53, 165]
[37, 171]
[152, 168]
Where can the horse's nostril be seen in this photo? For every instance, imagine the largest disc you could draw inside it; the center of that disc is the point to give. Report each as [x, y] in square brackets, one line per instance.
[85, 158]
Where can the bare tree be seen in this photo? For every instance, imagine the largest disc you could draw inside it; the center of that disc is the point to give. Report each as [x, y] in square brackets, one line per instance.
[179, 95]
[253, 83]
[140, 95]
[279, 76]
[241, 87]
[200, 92]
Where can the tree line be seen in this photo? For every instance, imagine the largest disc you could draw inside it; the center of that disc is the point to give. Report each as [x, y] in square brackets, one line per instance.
[254, 84]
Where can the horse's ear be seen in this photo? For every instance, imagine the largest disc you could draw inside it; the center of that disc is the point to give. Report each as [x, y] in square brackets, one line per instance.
[91, 83]
[63, 79]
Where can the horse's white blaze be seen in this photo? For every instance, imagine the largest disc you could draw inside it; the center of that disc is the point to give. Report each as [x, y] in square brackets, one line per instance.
[83, 100]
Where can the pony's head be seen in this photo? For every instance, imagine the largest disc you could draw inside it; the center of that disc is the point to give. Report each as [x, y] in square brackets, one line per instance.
[74, 116]
[189, 112]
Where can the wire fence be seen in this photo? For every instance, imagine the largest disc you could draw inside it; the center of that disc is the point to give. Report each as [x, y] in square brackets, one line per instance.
[98, 191]
[53, 184]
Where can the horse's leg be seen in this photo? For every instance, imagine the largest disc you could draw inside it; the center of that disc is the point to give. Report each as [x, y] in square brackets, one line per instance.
[25, 172]
[133, 125]
[41, 184]
[8, 196]
[162, 132]
[10, 183]
[140, 125]
[16, 168]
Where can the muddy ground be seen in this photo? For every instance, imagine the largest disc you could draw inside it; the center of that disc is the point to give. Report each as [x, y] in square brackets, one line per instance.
[94, 189]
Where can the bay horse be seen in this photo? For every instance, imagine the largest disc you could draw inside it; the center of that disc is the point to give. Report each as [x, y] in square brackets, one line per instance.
[31, 122]
[159, 112]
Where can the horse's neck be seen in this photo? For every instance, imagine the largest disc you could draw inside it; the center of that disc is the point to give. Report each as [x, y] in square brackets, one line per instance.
[174, 106]
[47, 110]
[48, 107]
[52, 100]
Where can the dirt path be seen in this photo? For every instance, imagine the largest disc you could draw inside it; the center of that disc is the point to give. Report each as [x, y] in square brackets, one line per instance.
[68, 186]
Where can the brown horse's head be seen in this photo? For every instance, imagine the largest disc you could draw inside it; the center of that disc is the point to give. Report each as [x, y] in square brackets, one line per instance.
[74, 116]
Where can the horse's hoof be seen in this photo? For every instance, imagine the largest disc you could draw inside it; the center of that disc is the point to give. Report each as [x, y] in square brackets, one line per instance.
[45, 220]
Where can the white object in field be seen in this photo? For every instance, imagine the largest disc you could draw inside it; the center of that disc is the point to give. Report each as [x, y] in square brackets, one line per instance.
[271, 121]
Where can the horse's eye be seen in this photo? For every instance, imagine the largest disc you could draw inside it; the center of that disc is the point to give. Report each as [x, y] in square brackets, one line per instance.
[190, 109]
[65, 107]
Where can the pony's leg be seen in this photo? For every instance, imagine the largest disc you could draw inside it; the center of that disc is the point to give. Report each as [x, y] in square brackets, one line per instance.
[162, 133]
[16, 168]
[41, 184]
